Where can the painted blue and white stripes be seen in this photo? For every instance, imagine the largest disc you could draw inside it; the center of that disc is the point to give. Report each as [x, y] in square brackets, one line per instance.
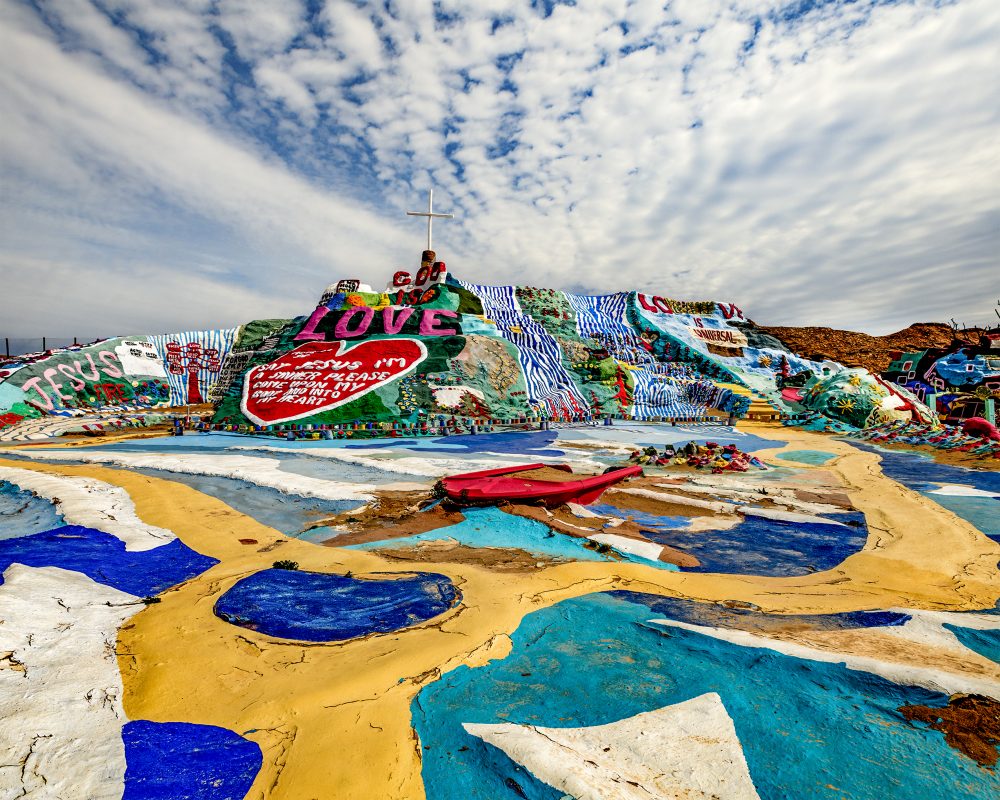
[221, 340]
[655, 394]
[539, 353]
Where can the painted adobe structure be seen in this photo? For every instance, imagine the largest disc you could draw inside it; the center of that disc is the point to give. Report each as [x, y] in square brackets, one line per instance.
[226, 616]
[432, 345]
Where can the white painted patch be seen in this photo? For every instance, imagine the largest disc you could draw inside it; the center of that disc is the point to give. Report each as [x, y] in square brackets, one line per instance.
[936, 680]
[687, 750]
[679, 499]
[92, 504]
[140, 357]
[60, 690]
[786, 516]
[582, 511]
[623, 544]
[957, 490]
[927, 628]
[259, 471]
[784, 497]
[451, 396]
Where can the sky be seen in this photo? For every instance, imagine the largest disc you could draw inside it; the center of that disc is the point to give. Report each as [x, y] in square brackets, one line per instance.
[200, 163]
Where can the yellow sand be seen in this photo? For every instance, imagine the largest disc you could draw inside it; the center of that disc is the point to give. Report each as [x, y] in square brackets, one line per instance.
[333, 720]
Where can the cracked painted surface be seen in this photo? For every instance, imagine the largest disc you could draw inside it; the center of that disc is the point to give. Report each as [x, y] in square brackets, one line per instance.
[336, 718]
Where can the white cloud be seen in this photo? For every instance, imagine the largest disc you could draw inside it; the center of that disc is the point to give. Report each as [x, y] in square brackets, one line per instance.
[840, 170]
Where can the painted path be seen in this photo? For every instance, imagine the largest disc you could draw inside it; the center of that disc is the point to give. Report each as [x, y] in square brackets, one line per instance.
[779, 668]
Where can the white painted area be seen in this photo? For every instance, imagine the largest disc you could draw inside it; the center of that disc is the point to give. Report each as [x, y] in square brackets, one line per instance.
[139, 357]
[927, 628]
[60, 688]
[786, 516]
[958, 490]
[259, 471]
[92, 504]
[582, 512]
[679, 499]
[649, 550]
[779, 496]
[936, 680]
[432, 464]
[689, 750]
[451, 396]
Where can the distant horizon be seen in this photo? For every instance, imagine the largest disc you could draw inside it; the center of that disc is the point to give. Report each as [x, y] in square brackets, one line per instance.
[827, 163]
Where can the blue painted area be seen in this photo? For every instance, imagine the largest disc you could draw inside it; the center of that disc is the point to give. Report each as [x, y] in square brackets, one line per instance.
[529, 443]
[183, 761]
[718, 616]
[648, 522]
[321, 607]
[759, 546]
[923, 474]
[22, 513]
[814, 457]
[807, 728]
[103, 558]
[986, 643]
[491, 527]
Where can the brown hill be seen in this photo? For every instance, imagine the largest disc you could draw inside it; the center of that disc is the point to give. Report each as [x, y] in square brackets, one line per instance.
[854, 349]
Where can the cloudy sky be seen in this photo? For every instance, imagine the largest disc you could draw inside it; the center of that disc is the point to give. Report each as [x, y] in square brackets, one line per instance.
[196, 163]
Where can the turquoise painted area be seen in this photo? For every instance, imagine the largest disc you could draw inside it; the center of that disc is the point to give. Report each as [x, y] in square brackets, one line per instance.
[814, 457]
[490, 527]
[986, 643]
[808, 729]
[24, 514]
[983, 512]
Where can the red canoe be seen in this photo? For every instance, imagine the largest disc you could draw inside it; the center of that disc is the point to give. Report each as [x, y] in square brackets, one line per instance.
[496, 485]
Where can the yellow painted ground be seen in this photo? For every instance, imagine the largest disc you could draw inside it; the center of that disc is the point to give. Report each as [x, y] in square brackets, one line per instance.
[333, 720]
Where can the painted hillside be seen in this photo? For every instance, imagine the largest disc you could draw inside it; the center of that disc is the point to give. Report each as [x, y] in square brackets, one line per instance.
[434, 344]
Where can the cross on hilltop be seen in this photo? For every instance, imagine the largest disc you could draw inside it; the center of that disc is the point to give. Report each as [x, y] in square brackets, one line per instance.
[431, 216]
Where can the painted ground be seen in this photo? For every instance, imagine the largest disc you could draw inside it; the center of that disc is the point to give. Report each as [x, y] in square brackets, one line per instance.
[223, 616]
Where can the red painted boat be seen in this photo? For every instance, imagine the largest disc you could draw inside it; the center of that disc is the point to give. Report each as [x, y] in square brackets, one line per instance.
[496, 485]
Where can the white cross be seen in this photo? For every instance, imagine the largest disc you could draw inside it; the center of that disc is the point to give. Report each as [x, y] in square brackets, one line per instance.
[429, 213]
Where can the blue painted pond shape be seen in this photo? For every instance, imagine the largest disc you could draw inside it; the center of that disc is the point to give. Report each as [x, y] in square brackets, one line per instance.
[184, 761]
[103, 558]
[808, 729]
[23, 513]
[322, 607]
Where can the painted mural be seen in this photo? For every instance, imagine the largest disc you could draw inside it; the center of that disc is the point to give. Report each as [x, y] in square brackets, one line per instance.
[113, 373]
[958, 381]
[260, 609]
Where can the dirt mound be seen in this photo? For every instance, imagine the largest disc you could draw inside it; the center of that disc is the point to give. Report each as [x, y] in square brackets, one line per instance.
[854, 349]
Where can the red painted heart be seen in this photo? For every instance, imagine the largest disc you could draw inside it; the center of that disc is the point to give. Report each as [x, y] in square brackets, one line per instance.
[318, 376]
